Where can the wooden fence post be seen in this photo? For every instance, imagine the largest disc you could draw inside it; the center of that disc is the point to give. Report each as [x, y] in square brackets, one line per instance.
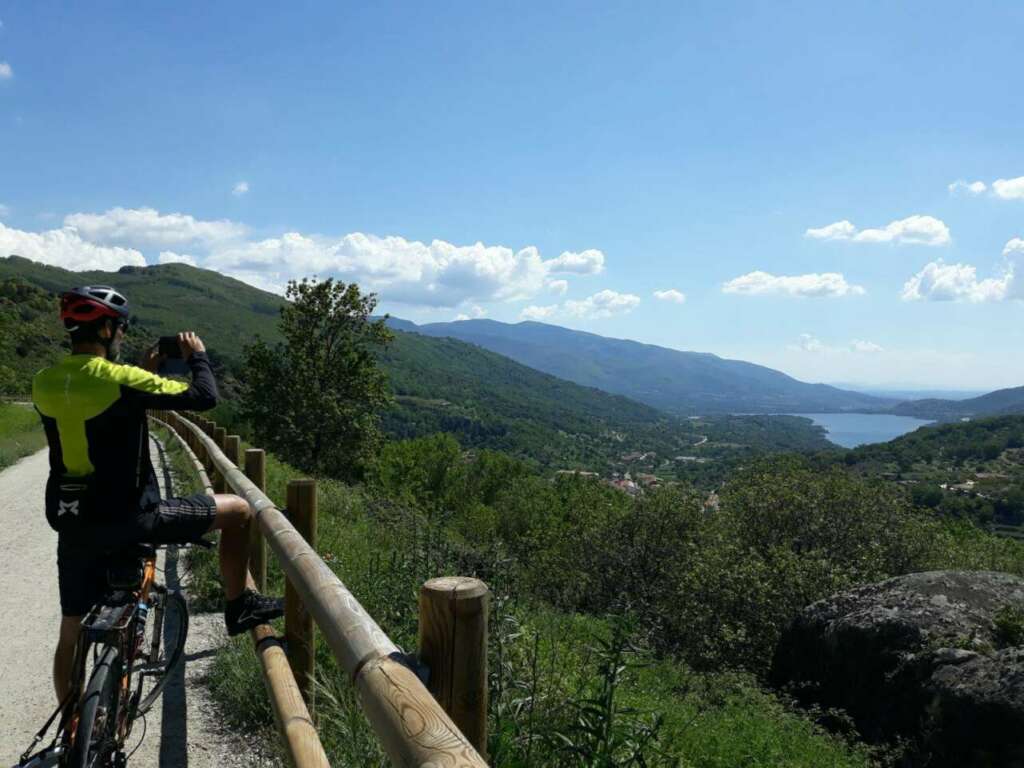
[256, 470]
[233, 449]
[453, 644]
[298, 622]
[220, 438]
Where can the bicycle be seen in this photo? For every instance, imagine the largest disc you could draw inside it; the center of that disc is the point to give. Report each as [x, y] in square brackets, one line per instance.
[96, 718]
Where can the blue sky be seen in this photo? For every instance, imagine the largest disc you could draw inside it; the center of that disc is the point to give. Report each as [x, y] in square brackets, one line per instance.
[786, 167]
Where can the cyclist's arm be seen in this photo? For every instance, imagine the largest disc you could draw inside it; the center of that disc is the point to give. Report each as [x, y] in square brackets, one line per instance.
[149, 390]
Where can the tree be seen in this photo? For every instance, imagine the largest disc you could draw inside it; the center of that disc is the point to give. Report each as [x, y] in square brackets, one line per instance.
[316, 399]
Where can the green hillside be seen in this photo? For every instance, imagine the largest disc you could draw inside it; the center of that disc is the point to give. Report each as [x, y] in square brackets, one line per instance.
[167, 297]
[973, 469]
[678, 382]
[440, 384]
[1000, 402]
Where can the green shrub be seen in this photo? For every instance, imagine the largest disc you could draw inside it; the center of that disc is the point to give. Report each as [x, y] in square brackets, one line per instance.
[1009, 625]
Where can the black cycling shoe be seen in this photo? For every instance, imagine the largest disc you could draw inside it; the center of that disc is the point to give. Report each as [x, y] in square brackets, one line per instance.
[250, 609]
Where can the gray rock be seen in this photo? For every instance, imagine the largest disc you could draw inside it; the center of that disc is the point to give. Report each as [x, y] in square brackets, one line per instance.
[916, 658]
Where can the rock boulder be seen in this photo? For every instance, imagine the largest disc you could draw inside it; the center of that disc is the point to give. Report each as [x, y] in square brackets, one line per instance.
[919, 657]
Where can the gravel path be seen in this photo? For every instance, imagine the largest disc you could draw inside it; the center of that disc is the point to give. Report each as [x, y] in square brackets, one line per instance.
[182, 730]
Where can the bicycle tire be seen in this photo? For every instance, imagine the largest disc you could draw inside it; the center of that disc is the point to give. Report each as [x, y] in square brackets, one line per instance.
[97, 724]
[176, 610]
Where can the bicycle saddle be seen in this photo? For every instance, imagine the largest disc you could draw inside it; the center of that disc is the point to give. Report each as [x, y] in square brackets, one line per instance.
[125, 567]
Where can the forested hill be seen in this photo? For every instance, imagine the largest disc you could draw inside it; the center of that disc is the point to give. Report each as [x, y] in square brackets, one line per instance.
[164, 297]
[1002, 401]
[668, 379]
[973, 469]
[485, 399]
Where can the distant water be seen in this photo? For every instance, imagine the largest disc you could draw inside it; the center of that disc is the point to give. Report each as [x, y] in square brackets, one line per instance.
[852, 429]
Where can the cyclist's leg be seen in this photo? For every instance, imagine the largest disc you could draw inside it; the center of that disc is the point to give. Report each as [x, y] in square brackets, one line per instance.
[81, 578]
[64, 656]
[232, 519]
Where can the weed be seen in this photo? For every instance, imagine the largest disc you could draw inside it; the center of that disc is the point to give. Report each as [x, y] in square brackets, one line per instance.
[1009, 625]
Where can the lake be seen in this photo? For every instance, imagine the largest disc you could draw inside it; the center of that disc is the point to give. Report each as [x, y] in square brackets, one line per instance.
[852, 429]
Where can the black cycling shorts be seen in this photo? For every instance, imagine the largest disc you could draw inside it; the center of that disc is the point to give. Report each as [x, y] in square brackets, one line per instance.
[82, 559]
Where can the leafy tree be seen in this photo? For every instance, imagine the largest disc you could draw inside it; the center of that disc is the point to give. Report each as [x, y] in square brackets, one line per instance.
[926, 495]
[315, 399]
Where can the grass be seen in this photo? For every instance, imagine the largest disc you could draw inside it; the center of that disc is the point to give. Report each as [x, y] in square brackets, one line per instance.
[21, 433]
[548, 668]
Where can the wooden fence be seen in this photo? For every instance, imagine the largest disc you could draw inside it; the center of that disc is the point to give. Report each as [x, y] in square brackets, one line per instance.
[415, 726]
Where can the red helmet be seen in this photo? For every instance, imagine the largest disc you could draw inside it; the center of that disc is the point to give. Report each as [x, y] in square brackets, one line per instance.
[90, 303]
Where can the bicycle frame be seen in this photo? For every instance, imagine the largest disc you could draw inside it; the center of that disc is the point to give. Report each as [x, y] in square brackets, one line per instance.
[124, 633]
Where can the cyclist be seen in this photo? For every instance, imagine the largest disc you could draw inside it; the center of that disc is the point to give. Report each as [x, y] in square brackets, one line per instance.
[102, 493]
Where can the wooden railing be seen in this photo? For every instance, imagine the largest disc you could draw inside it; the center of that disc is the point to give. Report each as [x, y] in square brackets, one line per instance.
[413, 727]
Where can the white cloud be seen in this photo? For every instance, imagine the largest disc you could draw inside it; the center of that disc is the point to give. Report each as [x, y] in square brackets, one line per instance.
[539, 313]
[602, 304]
[809, 343]
[405, 271]
[939, 281]
[558, 286]
[170, 257]
[865, 347]
[64, 248]
[142, 227]
[5, 211]
[1009, 189]
[677, 297]
[240, 188]
[475, 312]
[970, 187]
[6, 73]
[916, 229]
[920, 230]
[840, 230]
[434, 274]
[831, 284]
[1014, 246]
[588, 262]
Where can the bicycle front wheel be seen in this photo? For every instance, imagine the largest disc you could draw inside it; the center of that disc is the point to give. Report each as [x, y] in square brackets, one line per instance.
[95, 736]
[168, 634]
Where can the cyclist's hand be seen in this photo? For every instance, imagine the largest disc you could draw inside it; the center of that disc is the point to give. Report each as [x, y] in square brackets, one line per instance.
[189, 343]
[152, 359]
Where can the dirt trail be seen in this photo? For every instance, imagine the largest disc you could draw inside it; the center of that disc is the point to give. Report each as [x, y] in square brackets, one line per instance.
[182, 730]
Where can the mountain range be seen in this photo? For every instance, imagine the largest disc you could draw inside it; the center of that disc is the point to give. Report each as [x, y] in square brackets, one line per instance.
[440, 384]
[683, 383]
[229, 313]
[1002, 402]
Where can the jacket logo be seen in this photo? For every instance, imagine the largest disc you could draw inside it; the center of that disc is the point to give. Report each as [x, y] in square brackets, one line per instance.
[67, 507]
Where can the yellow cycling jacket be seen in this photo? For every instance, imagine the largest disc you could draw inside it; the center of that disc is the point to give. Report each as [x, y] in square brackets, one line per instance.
[94, 415]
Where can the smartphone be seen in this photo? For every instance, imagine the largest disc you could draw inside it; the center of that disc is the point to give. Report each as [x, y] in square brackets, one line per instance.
[169, 347]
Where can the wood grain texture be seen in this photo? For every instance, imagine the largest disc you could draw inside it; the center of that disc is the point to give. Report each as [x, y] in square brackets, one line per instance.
[233, 449]
[413, 730]
[256, 471]
[294, 722]
[408, 721]
[298, 622]
[453, 644]
[200, 470]
[298, 733]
